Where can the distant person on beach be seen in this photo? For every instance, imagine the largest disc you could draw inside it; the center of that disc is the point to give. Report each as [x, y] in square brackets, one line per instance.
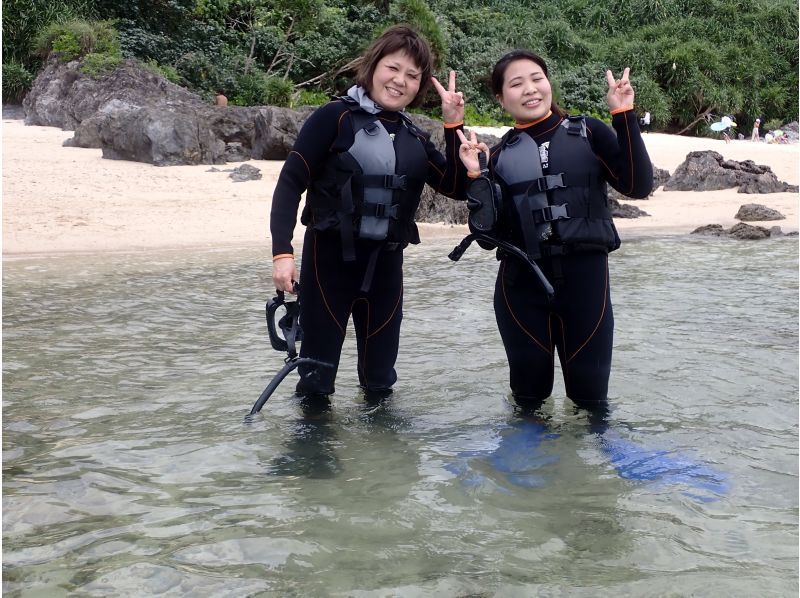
[755, 135]
[646, 122]
[220, 99]
[552, 171]
[363, 164]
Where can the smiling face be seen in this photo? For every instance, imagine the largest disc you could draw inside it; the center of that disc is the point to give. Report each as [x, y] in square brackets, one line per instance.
[395, 82]
[526, 94]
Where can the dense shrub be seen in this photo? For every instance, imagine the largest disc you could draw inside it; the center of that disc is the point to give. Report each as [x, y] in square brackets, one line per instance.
[258, 89]
[98, 65]
[16, 82]
[685, 61]
[164, 70]
[76, 38]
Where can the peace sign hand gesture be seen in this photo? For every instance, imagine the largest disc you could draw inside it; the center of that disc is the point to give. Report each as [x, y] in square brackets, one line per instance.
[452, 101]
[620, 92]
[469, 150]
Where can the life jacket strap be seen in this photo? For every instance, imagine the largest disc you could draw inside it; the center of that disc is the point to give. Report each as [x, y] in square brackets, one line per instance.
[379, 210]
[370, 271]
[553, 181]
[550, 213]
[383, 181]
[346, 223]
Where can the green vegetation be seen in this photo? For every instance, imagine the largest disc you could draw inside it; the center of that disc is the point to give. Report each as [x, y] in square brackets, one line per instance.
[689, 59]
[96, 64]
[16, 82]
[76, 38]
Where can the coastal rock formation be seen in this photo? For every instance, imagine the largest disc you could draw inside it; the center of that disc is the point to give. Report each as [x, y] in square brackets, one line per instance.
[624, 210]
[62, 96]
[709, 171]
[275, 131]
[660, 176]
[133, 114]
[245, 172]
[753, 212]
[741, 231]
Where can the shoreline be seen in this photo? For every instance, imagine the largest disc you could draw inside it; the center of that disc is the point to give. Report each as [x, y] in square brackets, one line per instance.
[67, 201]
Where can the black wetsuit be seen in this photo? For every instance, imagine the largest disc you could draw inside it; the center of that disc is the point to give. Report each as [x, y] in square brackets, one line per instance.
[330, 286]
[579, 322]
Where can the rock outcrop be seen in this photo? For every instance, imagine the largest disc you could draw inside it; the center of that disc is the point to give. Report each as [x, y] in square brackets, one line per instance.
[742, 231]
[133, 114]
[753, 212]
[62, 96]
[709, 171]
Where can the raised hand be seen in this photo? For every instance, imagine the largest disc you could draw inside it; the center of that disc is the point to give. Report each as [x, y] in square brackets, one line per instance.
[452, 100]
[620, 92]
[469, 150]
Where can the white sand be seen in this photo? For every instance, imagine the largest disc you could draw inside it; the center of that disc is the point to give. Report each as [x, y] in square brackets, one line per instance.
[60, 199]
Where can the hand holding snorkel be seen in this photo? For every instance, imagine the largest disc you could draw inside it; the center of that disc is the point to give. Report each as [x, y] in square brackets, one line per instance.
[284, 273]
[620, 93]
[452, 100]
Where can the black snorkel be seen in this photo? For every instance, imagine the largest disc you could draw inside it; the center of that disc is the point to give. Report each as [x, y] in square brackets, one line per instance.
[490, 242]
[484, 200]
[289, 324]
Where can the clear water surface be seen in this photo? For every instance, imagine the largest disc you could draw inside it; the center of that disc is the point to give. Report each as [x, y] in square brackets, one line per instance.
[128, 469]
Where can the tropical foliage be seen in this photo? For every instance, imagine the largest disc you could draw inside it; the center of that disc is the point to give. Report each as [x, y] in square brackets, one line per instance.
[690, 60]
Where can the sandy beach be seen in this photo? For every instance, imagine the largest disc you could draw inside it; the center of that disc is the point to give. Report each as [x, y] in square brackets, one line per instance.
[60, 199]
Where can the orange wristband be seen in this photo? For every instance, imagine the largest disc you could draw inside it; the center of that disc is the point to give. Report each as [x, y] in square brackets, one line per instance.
[453, 125]
[623, 109]
[473, 174]
[280, 256]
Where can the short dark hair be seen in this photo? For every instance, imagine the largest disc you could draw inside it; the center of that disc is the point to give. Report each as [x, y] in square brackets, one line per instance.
[398, 38]
[499, 72]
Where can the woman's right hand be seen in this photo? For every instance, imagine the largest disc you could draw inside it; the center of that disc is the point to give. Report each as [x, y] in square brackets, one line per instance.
[469, 150]
[284, 274]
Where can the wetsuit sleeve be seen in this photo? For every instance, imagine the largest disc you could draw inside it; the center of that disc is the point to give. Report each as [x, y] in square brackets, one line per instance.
[308, 155]
[446, 173]
[624, 156]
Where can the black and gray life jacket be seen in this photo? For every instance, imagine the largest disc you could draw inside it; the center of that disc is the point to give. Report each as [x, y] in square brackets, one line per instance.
[371, 190]
[568, 208]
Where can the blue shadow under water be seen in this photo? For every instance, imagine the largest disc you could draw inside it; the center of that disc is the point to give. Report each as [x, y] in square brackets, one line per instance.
[520, 453]
[634, 462]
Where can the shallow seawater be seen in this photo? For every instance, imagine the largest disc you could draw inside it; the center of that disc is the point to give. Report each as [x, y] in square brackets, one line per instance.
[128, 469]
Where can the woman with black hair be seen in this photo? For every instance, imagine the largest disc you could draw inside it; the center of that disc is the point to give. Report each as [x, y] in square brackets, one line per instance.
[552, 170]
[363, 164]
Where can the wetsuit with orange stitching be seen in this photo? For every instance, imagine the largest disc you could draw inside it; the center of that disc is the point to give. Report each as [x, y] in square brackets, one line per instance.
[579, 322]
[330, 286]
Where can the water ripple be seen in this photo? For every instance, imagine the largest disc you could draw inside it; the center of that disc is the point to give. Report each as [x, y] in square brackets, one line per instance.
[127, 468]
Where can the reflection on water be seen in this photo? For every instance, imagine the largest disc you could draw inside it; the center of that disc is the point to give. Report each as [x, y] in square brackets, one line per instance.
[128, 470]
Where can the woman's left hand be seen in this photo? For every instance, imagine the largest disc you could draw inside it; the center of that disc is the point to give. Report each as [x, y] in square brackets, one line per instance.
[452, 100]
[620, 92]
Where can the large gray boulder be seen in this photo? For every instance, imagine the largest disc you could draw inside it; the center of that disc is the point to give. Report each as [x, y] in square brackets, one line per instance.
[709, 171]
[275, 131]
[62, 96]
[160, 137]
[753, 212]
[134, 114]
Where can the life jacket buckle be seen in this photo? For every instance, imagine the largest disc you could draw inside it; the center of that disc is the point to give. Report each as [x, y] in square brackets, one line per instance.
[395, 181]
[550, 213]
[548, 182]
[382, 210]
